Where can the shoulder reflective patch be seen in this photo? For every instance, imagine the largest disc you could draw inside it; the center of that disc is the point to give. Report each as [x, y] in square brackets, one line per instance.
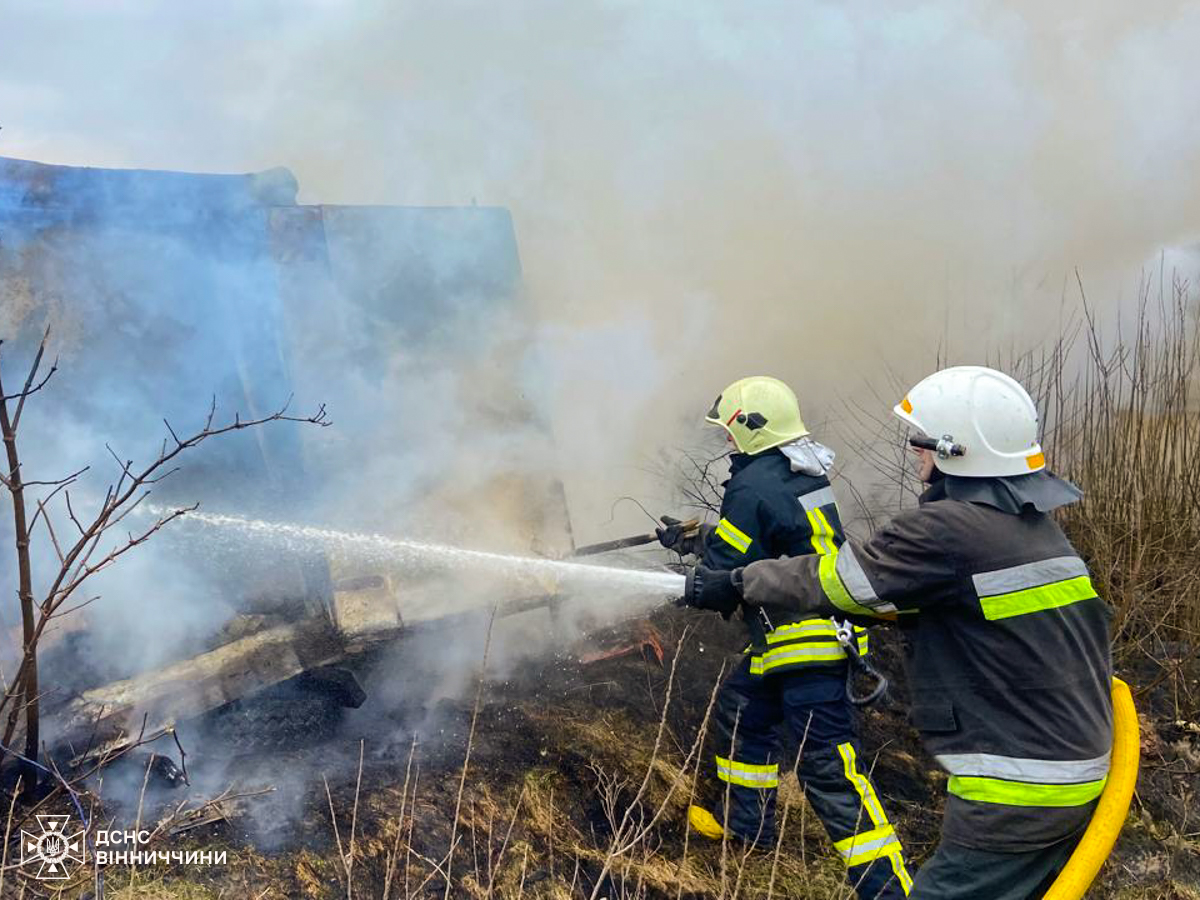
[733, 536]
[818, 498]
[1014, 768]
[1034, 574]
[832, 585]
[857, 584]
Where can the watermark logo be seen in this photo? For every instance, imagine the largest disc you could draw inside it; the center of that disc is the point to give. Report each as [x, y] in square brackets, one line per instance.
[55, 851]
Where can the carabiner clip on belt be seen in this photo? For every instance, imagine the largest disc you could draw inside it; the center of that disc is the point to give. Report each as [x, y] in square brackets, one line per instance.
[858, 665]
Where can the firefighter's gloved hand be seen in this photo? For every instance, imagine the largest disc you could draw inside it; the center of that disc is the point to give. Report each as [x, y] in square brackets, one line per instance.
[717, 589]
[673, 535]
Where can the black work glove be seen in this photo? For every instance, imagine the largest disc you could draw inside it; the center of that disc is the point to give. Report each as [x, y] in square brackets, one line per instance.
[717, 589]
[673, 535]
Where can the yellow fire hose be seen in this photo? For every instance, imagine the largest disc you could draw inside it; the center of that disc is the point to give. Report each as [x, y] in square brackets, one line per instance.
[1097, 842]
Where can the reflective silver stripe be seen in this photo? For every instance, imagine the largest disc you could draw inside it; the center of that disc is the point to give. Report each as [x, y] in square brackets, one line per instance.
[821, 626]
[1029, 575]
[831, 652]
[856, 583]
[869, 847]
[1031, 771]
[769, 779]
[798, 630]
[818, 498]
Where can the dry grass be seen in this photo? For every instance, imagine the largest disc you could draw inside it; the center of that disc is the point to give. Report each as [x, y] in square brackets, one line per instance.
[161, 889]
[614, 830]
[1123, 422]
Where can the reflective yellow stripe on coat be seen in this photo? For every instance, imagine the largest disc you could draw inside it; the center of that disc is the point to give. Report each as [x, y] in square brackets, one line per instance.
[801, 643]
[1033, 587]
[734, 536]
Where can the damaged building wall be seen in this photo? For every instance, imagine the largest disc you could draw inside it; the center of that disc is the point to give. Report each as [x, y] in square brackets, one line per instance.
[409, 323]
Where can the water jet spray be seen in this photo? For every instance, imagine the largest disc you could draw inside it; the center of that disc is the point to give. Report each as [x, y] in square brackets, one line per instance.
[420, 557]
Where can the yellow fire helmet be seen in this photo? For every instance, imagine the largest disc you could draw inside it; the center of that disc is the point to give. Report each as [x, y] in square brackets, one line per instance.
[759, 413]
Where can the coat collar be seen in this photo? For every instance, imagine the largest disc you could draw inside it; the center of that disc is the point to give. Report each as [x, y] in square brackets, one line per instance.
[1038, 491]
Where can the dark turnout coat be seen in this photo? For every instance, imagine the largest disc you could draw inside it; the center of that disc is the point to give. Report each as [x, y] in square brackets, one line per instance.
[1009, 664]
[768, 511]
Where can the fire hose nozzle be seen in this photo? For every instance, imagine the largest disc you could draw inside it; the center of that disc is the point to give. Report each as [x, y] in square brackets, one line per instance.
[690, 528]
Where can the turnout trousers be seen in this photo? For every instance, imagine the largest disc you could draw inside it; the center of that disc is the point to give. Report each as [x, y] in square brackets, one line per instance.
[955, 872]
[751, 709]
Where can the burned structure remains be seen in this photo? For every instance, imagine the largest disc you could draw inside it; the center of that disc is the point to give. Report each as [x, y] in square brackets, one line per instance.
[409, 323]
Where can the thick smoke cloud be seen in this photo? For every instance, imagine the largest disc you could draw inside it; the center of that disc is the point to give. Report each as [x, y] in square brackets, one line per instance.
[827, 193]
[701, 190]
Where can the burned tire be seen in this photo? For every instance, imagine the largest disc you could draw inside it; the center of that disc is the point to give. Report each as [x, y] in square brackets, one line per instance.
[292, 715]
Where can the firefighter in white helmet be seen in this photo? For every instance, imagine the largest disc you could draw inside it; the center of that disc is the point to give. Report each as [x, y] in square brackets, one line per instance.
[1009, 667]
[778, 502]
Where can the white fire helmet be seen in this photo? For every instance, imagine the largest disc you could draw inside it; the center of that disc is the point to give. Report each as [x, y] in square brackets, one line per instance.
[981, 422]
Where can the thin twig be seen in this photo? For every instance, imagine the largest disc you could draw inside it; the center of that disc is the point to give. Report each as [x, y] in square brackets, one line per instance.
[462, 782]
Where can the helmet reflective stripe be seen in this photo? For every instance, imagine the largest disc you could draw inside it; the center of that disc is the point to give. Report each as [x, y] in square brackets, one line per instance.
[758, 413]
[985, 411]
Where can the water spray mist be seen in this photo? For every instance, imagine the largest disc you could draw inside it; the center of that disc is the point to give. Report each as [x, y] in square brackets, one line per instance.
[420, 557]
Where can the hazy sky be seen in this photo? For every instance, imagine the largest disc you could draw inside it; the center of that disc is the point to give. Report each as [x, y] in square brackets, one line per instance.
[701, 190]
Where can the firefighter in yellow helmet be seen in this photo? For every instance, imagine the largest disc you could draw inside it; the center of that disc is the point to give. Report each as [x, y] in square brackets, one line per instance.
[778, 502]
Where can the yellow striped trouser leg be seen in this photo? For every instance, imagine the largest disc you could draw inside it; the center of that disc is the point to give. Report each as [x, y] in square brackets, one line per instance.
[878, 841]
[749, 798]
[748, 774]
